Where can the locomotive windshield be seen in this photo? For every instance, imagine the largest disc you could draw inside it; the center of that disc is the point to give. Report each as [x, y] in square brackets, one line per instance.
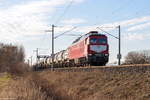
[93, 40]
[102, 40]
[98, 41]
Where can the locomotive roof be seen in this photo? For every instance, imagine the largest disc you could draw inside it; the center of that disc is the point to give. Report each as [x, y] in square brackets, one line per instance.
[87, 35]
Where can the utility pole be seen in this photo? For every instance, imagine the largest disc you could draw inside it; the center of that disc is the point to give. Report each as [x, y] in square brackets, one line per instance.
[31, 60]
[28, 62]
[37, 55]
[53, 38]
[119, 41]
[119, 46]
[52, 47]
[52, 55]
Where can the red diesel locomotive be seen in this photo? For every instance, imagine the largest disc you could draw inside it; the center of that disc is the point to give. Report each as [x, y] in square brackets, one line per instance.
[89, 49]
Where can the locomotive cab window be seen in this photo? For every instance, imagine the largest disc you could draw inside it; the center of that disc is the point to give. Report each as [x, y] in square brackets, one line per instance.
[93, 40]
[102, 41]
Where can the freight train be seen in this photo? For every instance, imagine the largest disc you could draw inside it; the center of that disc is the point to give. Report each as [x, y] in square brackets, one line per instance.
[89, 49]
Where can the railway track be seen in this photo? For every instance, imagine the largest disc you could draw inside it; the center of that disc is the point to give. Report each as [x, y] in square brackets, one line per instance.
[131, 68]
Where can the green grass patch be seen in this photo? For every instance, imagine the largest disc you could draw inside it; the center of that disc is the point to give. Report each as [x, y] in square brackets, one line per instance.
[4, 79]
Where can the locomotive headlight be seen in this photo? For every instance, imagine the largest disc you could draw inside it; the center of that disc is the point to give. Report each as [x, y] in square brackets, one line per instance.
[106, 54]
[90, 54]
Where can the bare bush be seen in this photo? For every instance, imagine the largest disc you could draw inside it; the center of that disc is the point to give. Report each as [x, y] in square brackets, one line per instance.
[19, 68]
[12, 59]
[137, 58]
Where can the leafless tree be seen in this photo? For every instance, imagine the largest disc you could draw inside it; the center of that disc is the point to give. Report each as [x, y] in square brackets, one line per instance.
[11, 58]
[142, 57]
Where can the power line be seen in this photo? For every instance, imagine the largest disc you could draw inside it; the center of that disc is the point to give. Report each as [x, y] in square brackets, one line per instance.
[65, 32]
[65, 11]
[69, 5]
[119, 8]
[122, 6]
[54, 15]
[73, 35]
[43, 49]
[107, 33]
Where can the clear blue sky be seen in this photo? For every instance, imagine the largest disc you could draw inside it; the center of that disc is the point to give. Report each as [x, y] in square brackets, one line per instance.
[23, 22]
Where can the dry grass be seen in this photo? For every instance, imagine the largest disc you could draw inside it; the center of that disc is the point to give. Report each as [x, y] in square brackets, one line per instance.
[31, 87]
[97, 85]
[4, 79]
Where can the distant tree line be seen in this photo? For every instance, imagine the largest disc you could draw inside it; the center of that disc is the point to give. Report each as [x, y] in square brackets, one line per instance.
[12, 59]
[135, 57]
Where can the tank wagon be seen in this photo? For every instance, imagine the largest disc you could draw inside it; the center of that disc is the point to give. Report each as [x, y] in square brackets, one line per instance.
[90, 49]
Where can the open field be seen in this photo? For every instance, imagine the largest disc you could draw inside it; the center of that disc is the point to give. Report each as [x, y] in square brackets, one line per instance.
[113, 84]
[4, 79]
